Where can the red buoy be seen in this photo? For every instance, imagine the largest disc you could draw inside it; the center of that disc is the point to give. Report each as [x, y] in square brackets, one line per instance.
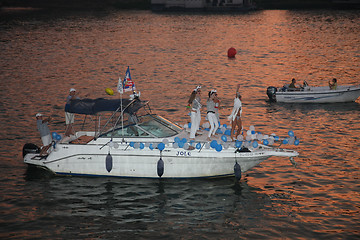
[231, 52]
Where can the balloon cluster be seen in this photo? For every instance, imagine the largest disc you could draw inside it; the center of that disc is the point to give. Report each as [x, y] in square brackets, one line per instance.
[139, 145]
[56, 136]
[253, 138]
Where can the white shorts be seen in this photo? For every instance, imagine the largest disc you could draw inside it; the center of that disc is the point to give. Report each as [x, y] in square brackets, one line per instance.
[69, 118]
[46, 140]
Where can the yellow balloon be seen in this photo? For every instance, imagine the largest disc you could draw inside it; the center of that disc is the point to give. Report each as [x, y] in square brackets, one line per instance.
[109, 91]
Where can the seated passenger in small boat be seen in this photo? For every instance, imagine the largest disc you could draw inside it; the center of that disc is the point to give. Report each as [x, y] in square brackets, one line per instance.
[292, 86]
[333, 84]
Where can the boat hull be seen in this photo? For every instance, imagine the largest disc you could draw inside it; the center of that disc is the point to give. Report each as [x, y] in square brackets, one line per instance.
[320, 95]
[130, 162]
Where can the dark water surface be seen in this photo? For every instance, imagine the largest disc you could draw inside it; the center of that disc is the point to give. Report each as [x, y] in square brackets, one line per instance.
[42, 57]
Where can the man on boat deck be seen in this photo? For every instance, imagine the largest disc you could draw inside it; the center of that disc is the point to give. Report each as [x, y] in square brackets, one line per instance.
[69, 117]
[42, 126]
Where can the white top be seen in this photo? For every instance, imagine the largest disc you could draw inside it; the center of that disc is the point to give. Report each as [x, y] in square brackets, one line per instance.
[237, 107]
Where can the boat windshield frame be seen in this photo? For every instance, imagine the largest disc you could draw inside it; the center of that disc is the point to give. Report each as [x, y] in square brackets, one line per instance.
[146, 126]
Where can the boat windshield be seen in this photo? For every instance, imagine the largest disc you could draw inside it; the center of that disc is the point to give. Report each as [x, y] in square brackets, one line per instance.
[147, 126]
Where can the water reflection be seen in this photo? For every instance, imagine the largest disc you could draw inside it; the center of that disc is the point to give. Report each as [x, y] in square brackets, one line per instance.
[128, 206]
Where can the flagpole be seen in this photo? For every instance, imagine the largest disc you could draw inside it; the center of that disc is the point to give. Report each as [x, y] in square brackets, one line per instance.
[121, 90]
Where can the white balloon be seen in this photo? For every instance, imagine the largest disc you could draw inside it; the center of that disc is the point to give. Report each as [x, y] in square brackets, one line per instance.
[116, 145]
[248, 138]
[206, 125]
[252, 128]
[175, 145]
[186, 146]
[165, 141]
[111, 144]
[137, 145]
[240, 137]
[248, 132]
[147, 144]
[207, 145]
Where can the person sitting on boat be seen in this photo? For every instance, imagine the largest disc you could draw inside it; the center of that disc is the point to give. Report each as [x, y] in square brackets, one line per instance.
[292, 86]
[211, 114]
[42, 126]
[333, 84]
[195, 106]
[235, 116]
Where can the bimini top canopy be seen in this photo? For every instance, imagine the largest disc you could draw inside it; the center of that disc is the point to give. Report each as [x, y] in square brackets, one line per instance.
[94, 106]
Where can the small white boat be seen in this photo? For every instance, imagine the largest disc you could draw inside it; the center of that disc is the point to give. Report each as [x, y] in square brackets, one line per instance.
[150, 147]
[314, 94]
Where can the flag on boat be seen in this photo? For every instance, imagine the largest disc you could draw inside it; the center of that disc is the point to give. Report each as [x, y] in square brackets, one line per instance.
[128, 84]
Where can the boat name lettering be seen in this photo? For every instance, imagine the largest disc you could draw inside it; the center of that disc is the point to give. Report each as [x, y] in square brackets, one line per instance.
[183, 153]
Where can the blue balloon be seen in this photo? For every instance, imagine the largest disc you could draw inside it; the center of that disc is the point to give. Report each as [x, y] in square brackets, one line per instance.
[219, 131]
[291, 133]
[54, 134]
[151, 146]
[266, 142]
[189, 124]
[213, 144]
[218, 148]
[253, 132]
[255, 144]
[285, 141]
[184, 140]
[198, 145]
[181, 144]
[224, 125]
[207, 129]
[161, 146]
[224, 138]
[276, 138]
[238, 144]
[142, 146]
[227, 132]
[177, 139]
[132, 144]
[297, 142]
[58, 137]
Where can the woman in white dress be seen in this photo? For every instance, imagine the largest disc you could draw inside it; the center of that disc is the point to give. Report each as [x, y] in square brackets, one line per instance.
[235, 116]
[195, 106]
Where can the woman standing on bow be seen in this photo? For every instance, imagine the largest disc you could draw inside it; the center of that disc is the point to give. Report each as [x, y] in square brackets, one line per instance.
[195, 106]
[211, 113]
[235, 116]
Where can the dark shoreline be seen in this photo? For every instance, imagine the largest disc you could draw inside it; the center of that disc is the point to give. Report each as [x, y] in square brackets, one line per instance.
[146, 4]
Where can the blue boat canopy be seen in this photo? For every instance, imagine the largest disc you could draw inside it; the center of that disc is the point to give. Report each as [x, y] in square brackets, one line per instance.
[94, 106]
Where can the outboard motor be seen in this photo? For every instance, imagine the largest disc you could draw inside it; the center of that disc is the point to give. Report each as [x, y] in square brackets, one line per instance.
[271, 92]
[30, 148]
